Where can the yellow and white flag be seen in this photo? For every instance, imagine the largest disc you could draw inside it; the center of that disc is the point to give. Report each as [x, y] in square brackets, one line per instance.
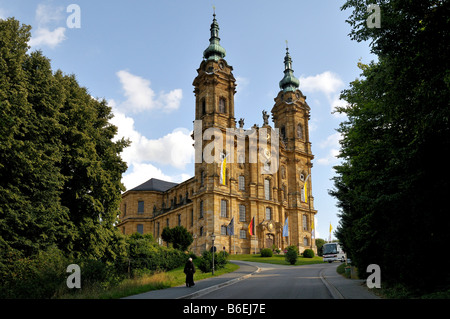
[223, 170]
[305, 190]
[313, 232]
[331, 227]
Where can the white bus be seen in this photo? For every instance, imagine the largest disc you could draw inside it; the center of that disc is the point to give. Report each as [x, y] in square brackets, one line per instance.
[333, 252]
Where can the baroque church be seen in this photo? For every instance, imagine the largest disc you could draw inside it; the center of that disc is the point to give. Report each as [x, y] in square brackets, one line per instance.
[247, 201]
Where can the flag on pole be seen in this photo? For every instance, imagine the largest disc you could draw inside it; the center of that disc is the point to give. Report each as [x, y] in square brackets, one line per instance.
[331, 227]
[251, 227]
[230, 228]
[305, 186]
[223, 169]
[286, 228]
[313, 232]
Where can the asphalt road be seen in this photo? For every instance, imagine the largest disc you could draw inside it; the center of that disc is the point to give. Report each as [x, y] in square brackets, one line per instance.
[278, 282]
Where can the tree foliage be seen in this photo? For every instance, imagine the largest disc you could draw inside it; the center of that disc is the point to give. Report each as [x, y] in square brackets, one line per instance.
[60, 170]
[394, 178]
[178, 236]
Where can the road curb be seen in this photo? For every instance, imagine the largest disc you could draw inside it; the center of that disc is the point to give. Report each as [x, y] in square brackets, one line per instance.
[218, 286]
[332, 289]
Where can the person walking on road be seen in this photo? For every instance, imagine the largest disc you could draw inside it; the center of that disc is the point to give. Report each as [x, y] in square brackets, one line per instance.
[189, 270]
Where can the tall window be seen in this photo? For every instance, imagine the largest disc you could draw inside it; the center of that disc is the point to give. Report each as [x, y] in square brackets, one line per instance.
[140, 229]
[222, 108]
[305, 241]
[157, 230]
[179, 220]
[203, 107]
[268, 213]
[267, 189]
[300, 131]
[243, 234]
[201, 209]
[223, 230]
[202, 178]
[305, 222]
[242, 217]
[125, 209]
[192, 217]
[223, 208]
[241, 183]
[283, 133]
[140, 207]
[200, 231]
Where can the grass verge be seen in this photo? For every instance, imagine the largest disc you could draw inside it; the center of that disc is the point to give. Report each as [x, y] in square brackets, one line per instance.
[156, 281]
[276, 259]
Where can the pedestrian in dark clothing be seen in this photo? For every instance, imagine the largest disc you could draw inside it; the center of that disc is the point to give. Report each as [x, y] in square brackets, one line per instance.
[189, 270]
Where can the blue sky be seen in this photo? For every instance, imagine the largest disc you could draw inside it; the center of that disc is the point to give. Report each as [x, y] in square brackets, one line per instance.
[141, 56]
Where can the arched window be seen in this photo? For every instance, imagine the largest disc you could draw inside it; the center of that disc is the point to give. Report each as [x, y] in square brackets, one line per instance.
[201, 209]
[300, 131]
[222, 105]
[305, 222]
[203, 107]
[283, 133]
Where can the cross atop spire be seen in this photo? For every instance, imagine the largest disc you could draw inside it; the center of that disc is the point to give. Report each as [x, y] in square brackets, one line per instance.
[214, 51]
[289, 81]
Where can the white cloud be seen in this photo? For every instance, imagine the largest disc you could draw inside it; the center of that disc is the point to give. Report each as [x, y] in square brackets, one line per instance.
[327, 83]
[141, 97]
[242, 83]
[174, 149]
[43, 36]
[47, 16]
[330, 158]
[331, 141]
[332, 144]
[140, 173]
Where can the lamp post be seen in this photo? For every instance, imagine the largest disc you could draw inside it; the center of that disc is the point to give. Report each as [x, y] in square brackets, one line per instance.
[213, 237]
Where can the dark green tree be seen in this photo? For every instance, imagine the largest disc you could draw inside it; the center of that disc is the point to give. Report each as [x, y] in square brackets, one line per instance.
[60, 170]
[178, 236]
[31, 214]
[392, 184]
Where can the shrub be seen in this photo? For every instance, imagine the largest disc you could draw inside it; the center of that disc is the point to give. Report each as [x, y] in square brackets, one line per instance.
[291, 255]
[308, 253]
[266, 252]
[205, 262]
[38, 276]
[145, 253]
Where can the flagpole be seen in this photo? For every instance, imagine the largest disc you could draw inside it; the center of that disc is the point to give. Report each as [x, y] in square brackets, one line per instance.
[308, 198]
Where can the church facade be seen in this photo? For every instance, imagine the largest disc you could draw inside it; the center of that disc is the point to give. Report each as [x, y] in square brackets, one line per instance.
[252, 187]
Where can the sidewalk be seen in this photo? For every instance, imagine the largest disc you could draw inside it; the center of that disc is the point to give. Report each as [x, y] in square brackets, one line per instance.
[344, 288]
[201, 287]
